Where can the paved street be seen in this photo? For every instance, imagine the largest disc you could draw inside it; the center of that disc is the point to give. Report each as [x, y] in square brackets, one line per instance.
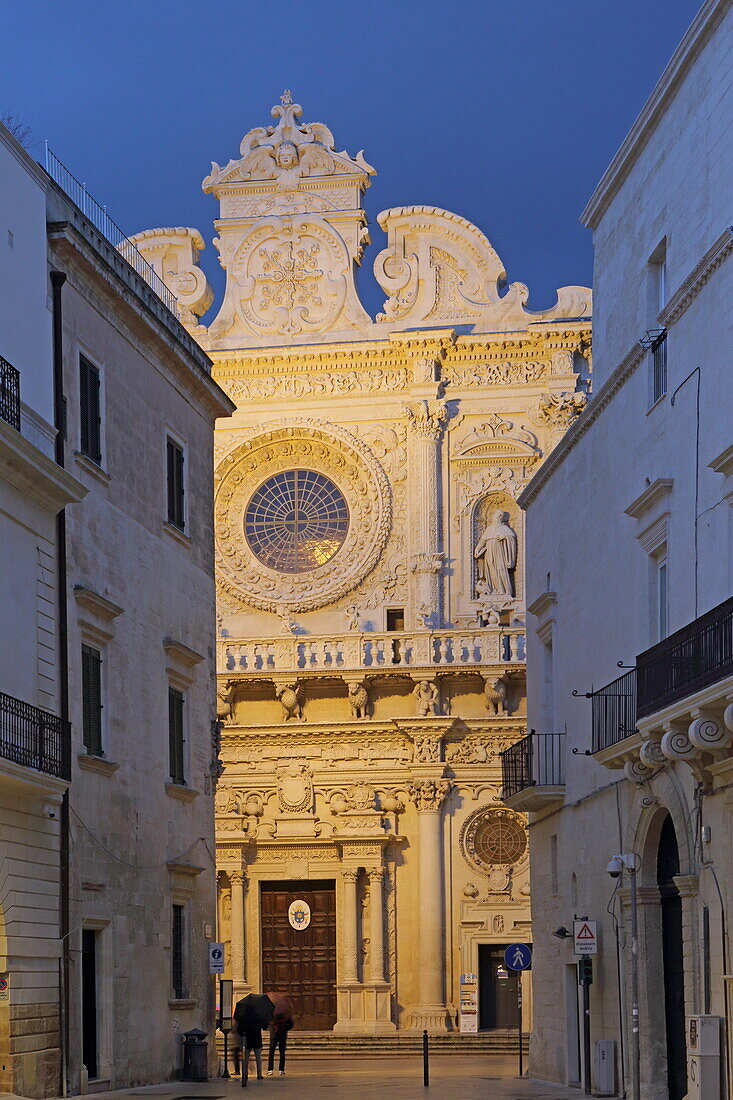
[452, 1078]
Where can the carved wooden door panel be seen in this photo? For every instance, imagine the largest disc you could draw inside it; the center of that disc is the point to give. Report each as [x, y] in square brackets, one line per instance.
[299, 962]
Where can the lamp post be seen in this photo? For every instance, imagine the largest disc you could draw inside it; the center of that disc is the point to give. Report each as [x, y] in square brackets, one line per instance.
[629, 862]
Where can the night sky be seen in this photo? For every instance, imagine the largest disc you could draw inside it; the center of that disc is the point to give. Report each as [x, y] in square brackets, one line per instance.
[506, 113]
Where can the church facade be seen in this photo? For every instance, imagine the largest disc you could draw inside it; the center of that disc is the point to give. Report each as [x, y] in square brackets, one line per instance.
[370, 563]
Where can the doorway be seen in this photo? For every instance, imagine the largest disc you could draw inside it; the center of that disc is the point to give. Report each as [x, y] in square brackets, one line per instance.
[498, 989]
[89, 1047]
[301, 961]
[668, 866]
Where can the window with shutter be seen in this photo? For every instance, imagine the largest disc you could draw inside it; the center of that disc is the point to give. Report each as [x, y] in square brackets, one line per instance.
[175, 735]
[178, 953]
[176, 513]
[90, 410]
[91, 686]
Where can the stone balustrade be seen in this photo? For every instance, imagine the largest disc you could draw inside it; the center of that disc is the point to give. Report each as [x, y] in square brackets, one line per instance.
[369, 652]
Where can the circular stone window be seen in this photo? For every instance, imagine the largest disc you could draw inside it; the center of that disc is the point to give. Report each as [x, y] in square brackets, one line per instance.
[296, 521]
[493, 837]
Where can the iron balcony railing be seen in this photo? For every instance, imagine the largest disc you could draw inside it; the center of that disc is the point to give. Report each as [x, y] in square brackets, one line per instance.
[613, 711]
[99, 218]
[34, 738]
[659, 364]
[692, 658]
[9, 394]
[535, 761]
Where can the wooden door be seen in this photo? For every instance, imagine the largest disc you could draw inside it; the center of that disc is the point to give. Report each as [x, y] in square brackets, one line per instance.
[301, 963]
[498, 989]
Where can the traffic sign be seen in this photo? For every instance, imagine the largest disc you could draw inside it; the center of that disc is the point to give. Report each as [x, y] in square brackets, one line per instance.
[4, 987]
[216, 958]
[585, 935]
[518, 956]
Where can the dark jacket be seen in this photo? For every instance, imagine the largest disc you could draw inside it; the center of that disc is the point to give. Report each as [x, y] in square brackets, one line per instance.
[281, 1027]
[252, 1038]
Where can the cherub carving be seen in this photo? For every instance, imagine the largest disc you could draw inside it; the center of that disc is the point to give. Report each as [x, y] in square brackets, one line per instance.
[358, 700]
[426, 694]
[292, 697]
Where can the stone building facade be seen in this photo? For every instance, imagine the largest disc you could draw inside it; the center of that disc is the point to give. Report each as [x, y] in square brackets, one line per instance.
[370, 566]
[630, 527]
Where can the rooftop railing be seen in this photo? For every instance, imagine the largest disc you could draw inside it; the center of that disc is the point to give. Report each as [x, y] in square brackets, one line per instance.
[692, 658]
[9, 394]
[534, 761]
[109, 229]
[34, 738]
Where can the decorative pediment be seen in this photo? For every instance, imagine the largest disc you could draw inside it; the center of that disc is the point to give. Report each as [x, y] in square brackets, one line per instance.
[287, 152]
[439, 269]
[497, 440]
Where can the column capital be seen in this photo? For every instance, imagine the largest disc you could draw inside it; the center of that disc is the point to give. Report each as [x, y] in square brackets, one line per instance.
[375, 875]
[429, 794]
[238, 878]
[350, 874]
[426, 419]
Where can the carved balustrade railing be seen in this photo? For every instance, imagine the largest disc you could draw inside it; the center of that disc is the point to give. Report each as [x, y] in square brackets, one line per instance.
[34, 738]
[373, 652]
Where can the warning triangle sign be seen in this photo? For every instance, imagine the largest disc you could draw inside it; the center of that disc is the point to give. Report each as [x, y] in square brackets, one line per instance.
[585, 933]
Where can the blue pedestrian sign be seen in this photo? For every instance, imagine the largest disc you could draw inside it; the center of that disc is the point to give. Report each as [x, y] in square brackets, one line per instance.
[518, 956]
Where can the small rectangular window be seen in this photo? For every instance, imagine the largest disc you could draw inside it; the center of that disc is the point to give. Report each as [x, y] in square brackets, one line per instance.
[175, 735]
[176, 514]
[395, 618]
[91, 689]
[659, 365]
[178, 952]
[90, 410]
[662, 624]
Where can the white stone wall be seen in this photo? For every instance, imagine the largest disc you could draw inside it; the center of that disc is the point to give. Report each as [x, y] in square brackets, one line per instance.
[594, 560]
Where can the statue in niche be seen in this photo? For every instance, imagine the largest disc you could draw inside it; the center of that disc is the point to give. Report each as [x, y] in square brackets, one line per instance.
[496, 556]
[427, 698]
[495, 692]
[292, 697]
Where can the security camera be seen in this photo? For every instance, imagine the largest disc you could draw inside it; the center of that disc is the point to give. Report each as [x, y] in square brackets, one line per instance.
[562, 933]
[49, 809]
[615, 867]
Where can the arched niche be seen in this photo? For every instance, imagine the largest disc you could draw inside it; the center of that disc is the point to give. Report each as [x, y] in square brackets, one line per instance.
[487, 504]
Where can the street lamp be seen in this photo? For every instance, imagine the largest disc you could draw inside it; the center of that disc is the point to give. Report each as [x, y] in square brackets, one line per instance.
[629, 862]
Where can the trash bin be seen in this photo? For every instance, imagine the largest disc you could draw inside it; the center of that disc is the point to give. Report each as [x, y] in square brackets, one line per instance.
[195, 1055]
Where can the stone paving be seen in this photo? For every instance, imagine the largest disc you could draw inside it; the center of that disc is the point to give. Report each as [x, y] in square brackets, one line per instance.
[451, 1078]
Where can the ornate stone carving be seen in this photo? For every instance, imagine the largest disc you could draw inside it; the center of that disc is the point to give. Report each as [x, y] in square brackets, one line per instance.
[709, 734]
[428, 750]
[173, 255]
[469, 751]
[493, 838]
[292, 697]
[651, 754]
[427, 695]
[559, 410]
[286, 445]
[438, 268]
[429, 794]
[274, 387]
[495, 693]
[637, 771]
[225, 701]
[427, 418]
[676, 745]
[358, 700]
[295, 787]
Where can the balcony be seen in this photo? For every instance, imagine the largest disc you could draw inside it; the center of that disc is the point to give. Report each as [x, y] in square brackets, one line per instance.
[9, 394]
[371, 653]
[693, 658]
[613, 712]
[34, 738]
[533, 772]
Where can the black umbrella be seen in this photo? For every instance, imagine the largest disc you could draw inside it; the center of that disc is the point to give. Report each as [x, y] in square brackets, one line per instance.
[254, 1010]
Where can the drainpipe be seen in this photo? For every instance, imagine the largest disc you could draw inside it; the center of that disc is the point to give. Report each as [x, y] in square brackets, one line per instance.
[58, 278]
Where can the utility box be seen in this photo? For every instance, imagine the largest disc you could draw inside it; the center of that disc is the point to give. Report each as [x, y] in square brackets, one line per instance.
[605, 1067]
[703, 1057]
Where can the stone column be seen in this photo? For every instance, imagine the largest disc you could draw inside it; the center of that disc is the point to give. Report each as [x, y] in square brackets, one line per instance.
[426, 420]
[376, 924]
[431, 1012]
[238, 880]
[350, 876]
[220, 887]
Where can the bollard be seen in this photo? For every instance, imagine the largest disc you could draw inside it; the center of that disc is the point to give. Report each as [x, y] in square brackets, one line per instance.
[425, 1063]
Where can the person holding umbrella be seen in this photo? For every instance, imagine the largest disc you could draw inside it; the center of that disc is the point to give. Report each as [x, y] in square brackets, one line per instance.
[279, 1029]
[252, 1015]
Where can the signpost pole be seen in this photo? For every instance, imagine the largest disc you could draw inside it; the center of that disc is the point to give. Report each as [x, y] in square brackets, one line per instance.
[586, 964]
[518, 957]
[519, 1025]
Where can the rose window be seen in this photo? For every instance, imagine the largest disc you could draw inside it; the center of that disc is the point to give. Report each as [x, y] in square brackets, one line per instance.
[491, 838]
[296, 520]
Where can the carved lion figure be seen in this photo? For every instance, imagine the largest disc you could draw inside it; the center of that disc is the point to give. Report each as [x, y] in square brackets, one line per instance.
[495, 693]
[358, 700]
[292, 697]
[225, 702]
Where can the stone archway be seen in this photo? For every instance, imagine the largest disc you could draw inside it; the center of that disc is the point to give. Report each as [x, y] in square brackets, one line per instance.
[673, 963]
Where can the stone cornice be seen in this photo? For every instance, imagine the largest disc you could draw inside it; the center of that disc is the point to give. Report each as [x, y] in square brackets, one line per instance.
[689, 289]
[723, 463]
[653, 495]
[592, 411]
[698, 35]
[35, 474]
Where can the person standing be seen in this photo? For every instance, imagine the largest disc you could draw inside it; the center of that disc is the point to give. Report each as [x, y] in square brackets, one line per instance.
[279, 1029]
[251, 1041]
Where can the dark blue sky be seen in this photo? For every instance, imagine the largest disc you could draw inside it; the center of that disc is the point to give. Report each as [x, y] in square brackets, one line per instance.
[506, 113]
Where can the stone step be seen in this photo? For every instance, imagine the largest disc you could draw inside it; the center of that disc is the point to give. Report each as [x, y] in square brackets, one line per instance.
[326, 1044]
